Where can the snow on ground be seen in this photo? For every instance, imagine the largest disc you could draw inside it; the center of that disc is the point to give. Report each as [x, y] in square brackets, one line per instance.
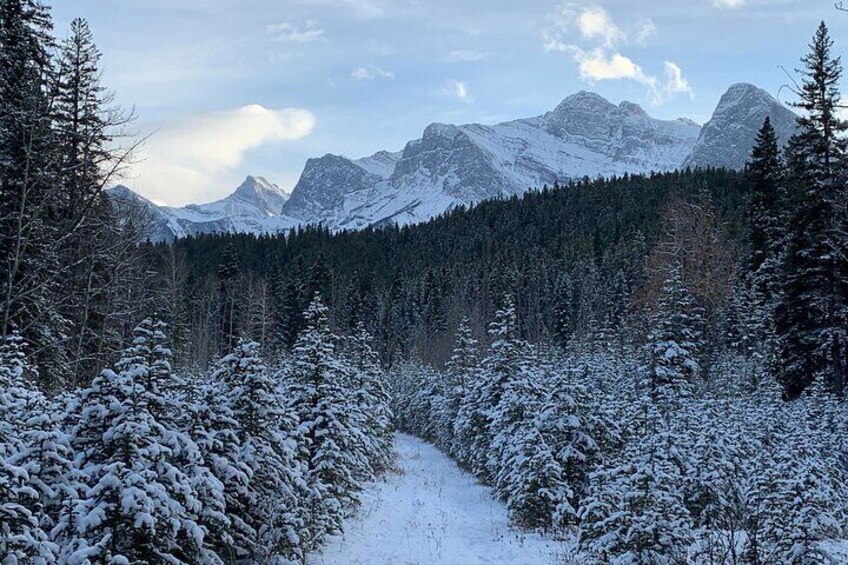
[432, 513]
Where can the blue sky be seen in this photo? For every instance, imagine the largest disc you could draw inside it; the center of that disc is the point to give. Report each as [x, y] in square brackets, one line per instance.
[258, 86]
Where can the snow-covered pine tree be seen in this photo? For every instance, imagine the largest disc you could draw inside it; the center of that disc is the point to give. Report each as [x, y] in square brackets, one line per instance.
[635, 512]
[812, 320]
[140, 505]
[28, 255]
[371, 395]
[267, 439]
[228, 498]
[23, 538]
[672, 341]
[574, 426]
[526, 471]
[508, 356]
[458, 378]
[47, 457]
[808, 483]
[318, 395]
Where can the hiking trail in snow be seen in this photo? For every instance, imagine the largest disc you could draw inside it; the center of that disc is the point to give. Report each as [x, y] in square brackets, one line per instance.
[432, 513]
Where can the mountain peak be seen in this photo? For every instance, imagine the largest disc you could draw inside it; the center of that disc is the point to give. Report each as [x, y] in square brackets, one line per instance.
[258, 185]
[262, 193]
[726, 140]
[584, 100]
[742, 88]
[449, 165]
[633, 109]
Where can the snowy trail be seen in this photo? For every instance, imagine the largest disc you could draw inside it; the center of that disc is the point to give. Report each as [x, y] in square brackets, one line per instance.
[433, 514]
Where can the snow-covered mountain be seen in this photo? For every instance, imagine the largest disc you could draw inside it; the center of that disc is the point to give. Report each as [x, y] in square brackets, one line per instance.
[726, 140]
[452, 165]
[255, 207]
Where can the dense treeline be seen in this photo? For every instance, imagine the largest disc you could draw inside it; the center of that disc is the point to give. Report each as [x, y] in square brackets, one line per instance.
[573, 256]
[621, 450]
[70, 259]
[244, 464]
[678, 446]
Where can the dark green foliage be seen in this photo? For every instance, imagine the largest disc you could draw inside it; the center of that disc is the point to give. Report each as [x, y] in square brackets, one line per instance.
[569, 255]
[812, 319]
[765, 222]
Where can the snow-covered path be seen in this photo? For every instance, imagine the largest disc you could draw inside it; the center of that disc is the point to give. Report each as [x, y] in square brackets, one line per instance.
[432, 513]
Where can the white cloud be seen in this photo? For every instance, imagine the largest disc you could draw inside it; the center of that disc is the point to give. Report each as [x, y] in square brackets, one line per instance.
[599, 55]
[464, 56]
[595, 23]
[675, 82]
[596, 65]
[457, 89]
[293, 33]
[728, 3]
[185, 161]
[370, 72]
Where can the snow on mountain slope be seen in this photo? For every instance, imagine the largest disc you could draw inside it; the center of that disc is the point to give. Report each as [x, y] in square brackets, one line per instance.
[451, 165]
[255, 207]
[726, 140]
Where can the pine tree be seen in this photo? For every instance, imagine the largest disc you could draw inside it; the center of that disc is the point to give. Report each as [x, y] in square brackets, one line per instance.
[524, 465]
[84, 122]
[228, 303]
[765, 214]
[141, 506]
[636, 511]
[672, 342]
[225, 512]
[86, 129]
[508, 357]
[28, 297]
[267, 431]
[328, 418]
[813, 315]
[371, 396]
[23, 538]
[458, 378]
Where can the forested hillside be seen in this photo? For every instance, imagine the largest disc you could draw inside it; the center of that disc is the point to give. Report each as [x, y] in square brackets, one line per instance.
[574, 257]
[651, 368]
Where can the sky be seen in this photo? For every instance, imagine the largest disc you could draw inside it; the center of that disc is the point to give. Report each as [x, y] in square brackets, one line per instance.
[227, 88]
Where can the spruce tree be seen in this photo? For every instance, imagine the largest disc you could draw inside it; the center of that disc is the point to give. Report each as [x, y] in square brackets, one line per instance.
[23, 538]
[509, 356]
[813, 315]
[766, 225]
[458, 378]
[228, 299]
[370, 393]
[141, 505]
[636, 511]
[28, 254]
[216, 431]
[87, 129]
[672, 342]
[323, 404]
[267, 435]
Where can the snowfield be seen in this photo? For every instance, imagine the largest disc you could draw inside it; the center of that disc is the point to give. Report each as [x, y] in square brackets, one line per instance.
[432, 513]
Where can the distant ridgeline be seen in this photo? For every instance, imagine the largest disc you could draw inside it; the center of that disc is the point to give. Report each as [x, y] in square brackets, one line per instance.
[574, 257]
